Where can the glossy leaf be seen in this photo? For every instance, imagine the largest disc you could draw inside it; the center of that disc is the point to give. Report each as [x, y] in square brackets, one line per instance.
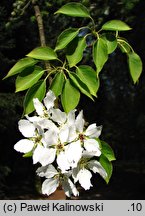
[28, 78]
[111, 42]
[36, 91]
[79, 84]
[107, 151]
[74, 9]
[43, 53]
[88, 76]
[70, 97]
[116, 25]
[124, 46]
[135, 66]
[57, 84]
[66, 37]
[100, 54]
[20, 66]
[107, 165]
[75, 51]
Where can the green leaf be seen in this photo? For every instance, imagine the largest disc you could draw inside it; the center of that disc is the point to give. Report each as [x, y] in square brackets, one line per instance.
[66, 37]
[36, 91]
[124, 46]
[111, 42]
[57, 84]
[107, 151]
[88, 76]
[28, 77]
[29, 154]
[100, 54]
[107, 165]
[20, 66]
[75, 51]
[70, 97]
[135, 66]
[79, 84]
[43, 53]
[116, 25]
[74, 9]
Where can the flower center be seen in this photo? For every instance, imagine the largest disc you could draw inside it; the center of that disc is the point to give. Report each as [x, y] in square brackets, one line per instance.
[60, 147]
[37, 139]
[81, 137]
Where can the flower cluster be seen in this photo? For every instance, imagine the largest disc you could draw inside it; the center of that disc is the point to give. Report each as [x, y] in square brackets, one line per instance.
[63, 145]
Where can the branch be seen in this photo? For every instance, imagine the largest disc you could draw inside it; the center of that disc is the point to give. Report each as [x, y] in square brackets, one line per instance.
[41, 32]
[39, 22]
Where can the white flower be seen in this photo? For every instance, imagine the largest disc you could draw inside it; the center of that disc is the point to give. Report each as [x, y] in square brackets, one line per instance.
[24, 146]
[38, 107]
[47, 171]
[32, 132]
[84, 177]
[74, 153]
[41, 109]
[50, 185]
[34, 142]
[92, 146]
[96, 167]
[80, 122]
[26, 128]
[58, 116]
[87, 137]
[52, 136]
[69, 188]
[49, 99]
[82, 172]
[54, 179]
[70, 156]
[92, 130]
[43, 155]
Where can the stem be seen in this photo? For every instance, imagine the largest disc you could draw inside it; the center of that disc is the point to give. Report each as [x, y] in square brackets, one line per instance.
[39, 22]
[41, 31]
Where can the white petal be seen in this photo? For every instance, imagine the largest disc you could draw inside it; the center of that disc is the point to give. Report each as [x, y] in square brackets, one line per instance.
[75, 172]
[91, 145]
[33, 119]
[58, 116]
[84, 177]
[49, 100]
[47, 124]
[26, 128]
[88, 155]
[49, 186]
[69, 187]
[71, 117]
[93, 131]
[64, 134]
[50, 138]
[74, 153]
[72, 133]
[62, 162]
[24, 146]
[80, 122]
[41, 171]
[47, 171]
[38, 106]
[96, 167]
[43, 155]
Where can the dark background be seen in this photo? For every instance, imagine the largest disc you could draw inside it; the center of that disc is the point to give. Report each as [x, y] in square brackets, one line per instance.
[120, 106]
